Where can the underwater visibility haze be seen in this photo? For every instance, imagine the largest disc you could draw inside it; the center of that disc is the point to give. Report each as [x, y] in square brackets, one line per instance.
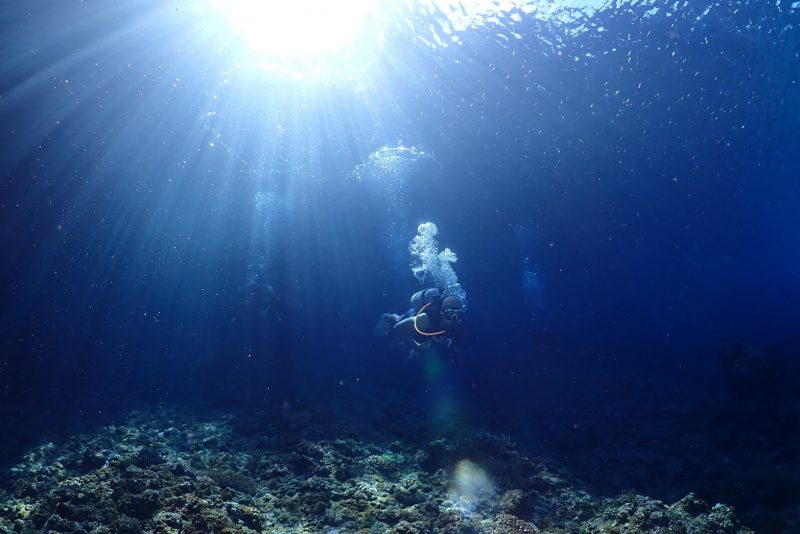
[401, 266]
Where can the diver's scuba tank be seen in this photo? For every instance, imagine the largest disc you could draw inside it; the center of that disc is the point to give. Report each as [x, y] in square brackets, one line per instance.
[426, 296]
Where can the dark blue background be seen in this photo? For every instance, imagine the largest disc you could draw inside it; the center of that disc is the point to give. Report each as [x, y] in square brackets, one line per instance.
[649, 170]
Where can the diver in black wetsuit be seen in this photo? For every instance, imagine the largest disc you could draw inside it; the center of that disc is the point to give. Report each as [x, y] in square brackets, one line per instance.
[432, 323]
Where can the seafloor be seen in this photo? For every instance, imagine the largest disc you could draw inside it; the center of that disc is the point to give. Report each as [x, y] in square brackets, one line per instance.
[312, 470]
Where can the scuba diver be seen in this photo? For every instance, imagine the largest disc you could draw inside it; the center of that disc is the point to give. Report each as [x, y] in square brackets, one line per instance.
[432, 323]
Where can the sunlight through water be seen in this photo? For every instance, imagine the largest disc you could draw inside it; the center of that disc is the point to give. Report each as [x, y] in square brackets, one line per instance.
[316, 39]
[299, 38]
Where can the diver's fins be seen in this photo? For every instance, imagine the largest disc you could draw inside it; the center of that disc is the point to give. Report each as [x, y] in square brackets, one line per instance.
[381, 328]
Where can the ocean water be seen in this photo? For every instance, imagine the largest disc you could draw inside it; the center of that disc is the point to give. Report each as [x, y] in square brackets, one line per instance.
[206, 207]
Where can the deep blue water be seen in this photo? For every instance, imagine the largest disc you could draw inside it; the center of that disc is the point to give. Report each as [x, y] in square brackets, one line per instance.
[620, 186]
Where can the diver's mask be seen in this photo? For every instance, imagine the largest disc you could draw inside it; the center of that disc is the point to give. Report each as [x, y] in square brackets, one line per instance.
[453, 315]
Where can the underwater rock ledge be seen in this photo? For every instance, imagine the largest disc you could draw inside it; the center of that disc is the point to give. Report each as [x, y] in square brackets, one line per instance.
[163, 472]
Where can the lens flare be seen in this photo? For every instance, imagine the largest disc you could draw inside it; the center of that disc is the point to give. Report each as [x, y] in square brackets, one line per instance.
[470, 484]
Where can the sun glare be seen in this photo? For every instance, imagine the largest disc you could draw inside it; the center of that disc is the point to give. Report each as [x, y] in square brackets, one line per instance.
[286, 32]
[325, 39]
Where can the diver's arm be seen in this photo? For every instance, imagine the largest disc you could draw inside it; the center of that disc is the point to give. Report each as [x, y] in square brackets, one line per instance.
[407, 323]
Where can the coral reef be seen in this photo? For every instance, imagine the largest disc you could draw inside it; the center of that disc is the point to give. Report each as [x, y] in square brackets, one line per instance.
[166, 472]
